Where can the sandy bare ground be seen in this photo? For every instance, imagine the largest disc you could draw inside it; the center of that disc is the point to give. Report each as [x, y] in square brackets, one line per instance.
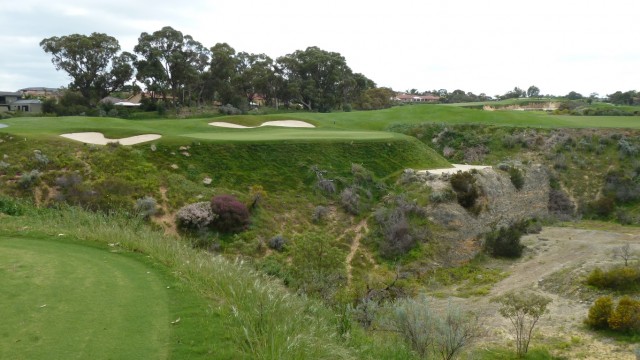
[454, 169]
[281, 123]
[3, 126]
[97, 138]
[360, 229]
[554, 264]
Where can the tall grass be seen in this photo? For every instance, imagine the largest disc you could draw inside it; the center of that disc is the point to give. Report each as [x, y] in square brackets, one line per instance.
[263, 320]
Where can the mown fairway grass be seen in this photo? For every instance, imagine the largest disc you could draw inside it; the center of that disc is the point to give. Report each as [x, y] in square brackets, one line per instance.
[65, 300]
[79, 302]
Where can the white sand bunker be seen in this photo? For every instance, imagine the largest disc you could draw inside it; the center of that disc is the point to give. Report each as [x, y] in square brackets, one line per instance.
[3, 126]
[282, 123]
[97, 138]
[455, 169]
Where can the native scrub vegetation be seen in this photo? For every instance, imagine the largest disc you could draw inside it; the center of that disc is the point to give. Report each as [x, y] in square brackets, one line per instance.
[295, 213]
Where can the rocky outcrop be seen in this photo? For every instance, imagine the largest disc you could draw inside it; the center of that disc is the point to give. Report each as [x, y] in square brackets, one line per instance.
[501, 204]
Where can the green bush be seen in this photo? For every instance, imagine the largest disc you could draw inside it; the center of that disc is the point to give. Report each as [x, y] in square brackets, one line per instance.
[505, 242]
[600, 313]
[626, 316]
[10, 207]
[464, 184]
[517, 178]
[602, 207]
[619, 278]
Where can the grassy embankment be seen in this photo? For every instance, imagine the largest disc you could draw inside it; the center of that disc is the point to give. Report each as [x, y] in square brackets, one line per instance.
[237, 313]
[275, 158]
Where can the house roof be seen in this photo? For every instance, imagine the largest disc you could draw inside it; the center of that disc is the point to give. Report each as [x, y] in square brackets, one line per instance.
[111, 99]
[27, 101]
[10, 93]
[40, 88]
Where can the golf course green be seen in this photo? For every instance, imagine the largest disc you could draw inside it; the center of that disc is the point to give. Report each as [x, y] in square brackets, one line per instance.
[70, 301]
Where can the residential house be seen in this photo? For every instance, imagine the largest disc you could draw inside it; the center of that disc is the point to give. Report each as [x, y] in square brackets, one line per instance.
[258, 100]
[408, 98]
[6, 98]
[28, 105]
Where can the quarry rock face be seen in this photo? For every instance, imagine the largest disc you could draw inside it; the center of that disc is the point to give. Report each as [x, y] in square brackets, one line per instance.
[501, 205]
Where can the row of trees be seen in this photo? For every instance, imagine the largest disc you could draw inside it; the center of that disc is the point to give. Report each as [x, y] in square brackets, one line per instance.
[177, 67]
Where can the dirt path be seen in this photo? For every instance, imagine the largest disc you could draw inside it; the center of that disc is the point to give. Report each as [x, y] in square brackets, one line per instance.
[359, 229]
[166, 220]
[553, 263]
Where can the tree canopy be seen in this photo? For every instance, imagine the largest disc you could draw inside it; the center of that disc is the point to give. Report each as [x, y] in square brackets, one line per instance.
[169, 60]
[315, 78]
[93, 62]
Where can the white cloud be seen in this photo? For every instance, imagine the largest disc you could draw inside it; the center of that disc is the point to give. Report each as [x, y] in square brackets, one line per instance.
[470, 45]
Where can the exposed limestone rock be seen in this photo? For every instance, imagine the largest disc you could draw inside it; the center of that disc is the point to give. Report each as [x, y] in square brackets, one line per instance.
[502, 205]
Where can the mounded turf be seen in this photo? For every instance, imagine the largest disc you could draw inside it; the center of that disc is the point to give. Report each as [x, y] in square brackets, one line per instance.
[68, 301]
[340, 126]
[270, 134]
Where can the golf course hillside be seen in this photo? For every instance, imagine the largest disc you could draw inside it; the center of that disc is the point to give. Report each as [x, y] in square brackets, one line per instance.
[308, 235]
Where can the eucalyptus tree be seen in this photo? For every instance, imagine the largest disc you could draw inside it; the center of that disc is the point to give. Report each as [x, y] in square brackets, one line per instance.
[94, 63]
[222, 72]
[254, 74]
[533, 91]
[314, 78]
[169, 61]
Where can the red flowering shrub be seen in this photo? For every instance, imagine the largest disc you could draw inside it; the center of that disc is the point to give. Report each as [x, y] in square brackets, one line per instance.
[232, 215]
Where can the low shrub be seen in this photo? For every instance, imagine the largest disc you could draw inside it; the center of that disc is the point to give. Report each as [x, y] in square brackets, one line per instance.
[231, 215]
[195, 217]
[623, 278]
[505, 241]
[400, 227]
[602, 207]
[442, 196]
[29, 179]
[146, 207]
[626, 316]
[350, 200]
[517, 178]
[560, 204]
[10, 207]
[278, 242]
[464, 185]
[600, 312]
[319, 214]
[229, 110]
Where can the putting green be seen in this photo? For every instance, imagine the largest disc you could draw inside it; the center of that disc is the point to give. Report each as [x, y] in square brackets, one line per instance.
[68, 301]
[295, 134]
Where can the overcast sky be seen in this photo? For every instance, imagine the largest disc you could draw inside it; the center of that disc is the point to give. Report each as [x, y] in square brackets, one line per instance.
[479, 46]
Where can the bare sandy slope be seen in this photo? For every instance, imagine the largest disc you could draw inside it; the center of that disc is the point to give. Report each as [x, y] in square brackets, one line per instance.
[554, 264]
[97, 138]
[454, 169]
[281, 123]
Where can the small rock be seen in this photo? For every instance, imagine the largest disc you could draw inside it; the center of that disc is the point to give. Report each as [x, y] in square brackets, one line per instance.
[185, 153]
[207, 181]
[174, 166]
[153, 147]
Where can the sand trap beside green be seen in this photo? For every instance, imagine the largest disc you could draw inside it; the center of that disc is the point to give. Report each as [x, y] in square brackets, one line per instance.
[280, 123]
[97, 138]
[3, 126]
[68, 301]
